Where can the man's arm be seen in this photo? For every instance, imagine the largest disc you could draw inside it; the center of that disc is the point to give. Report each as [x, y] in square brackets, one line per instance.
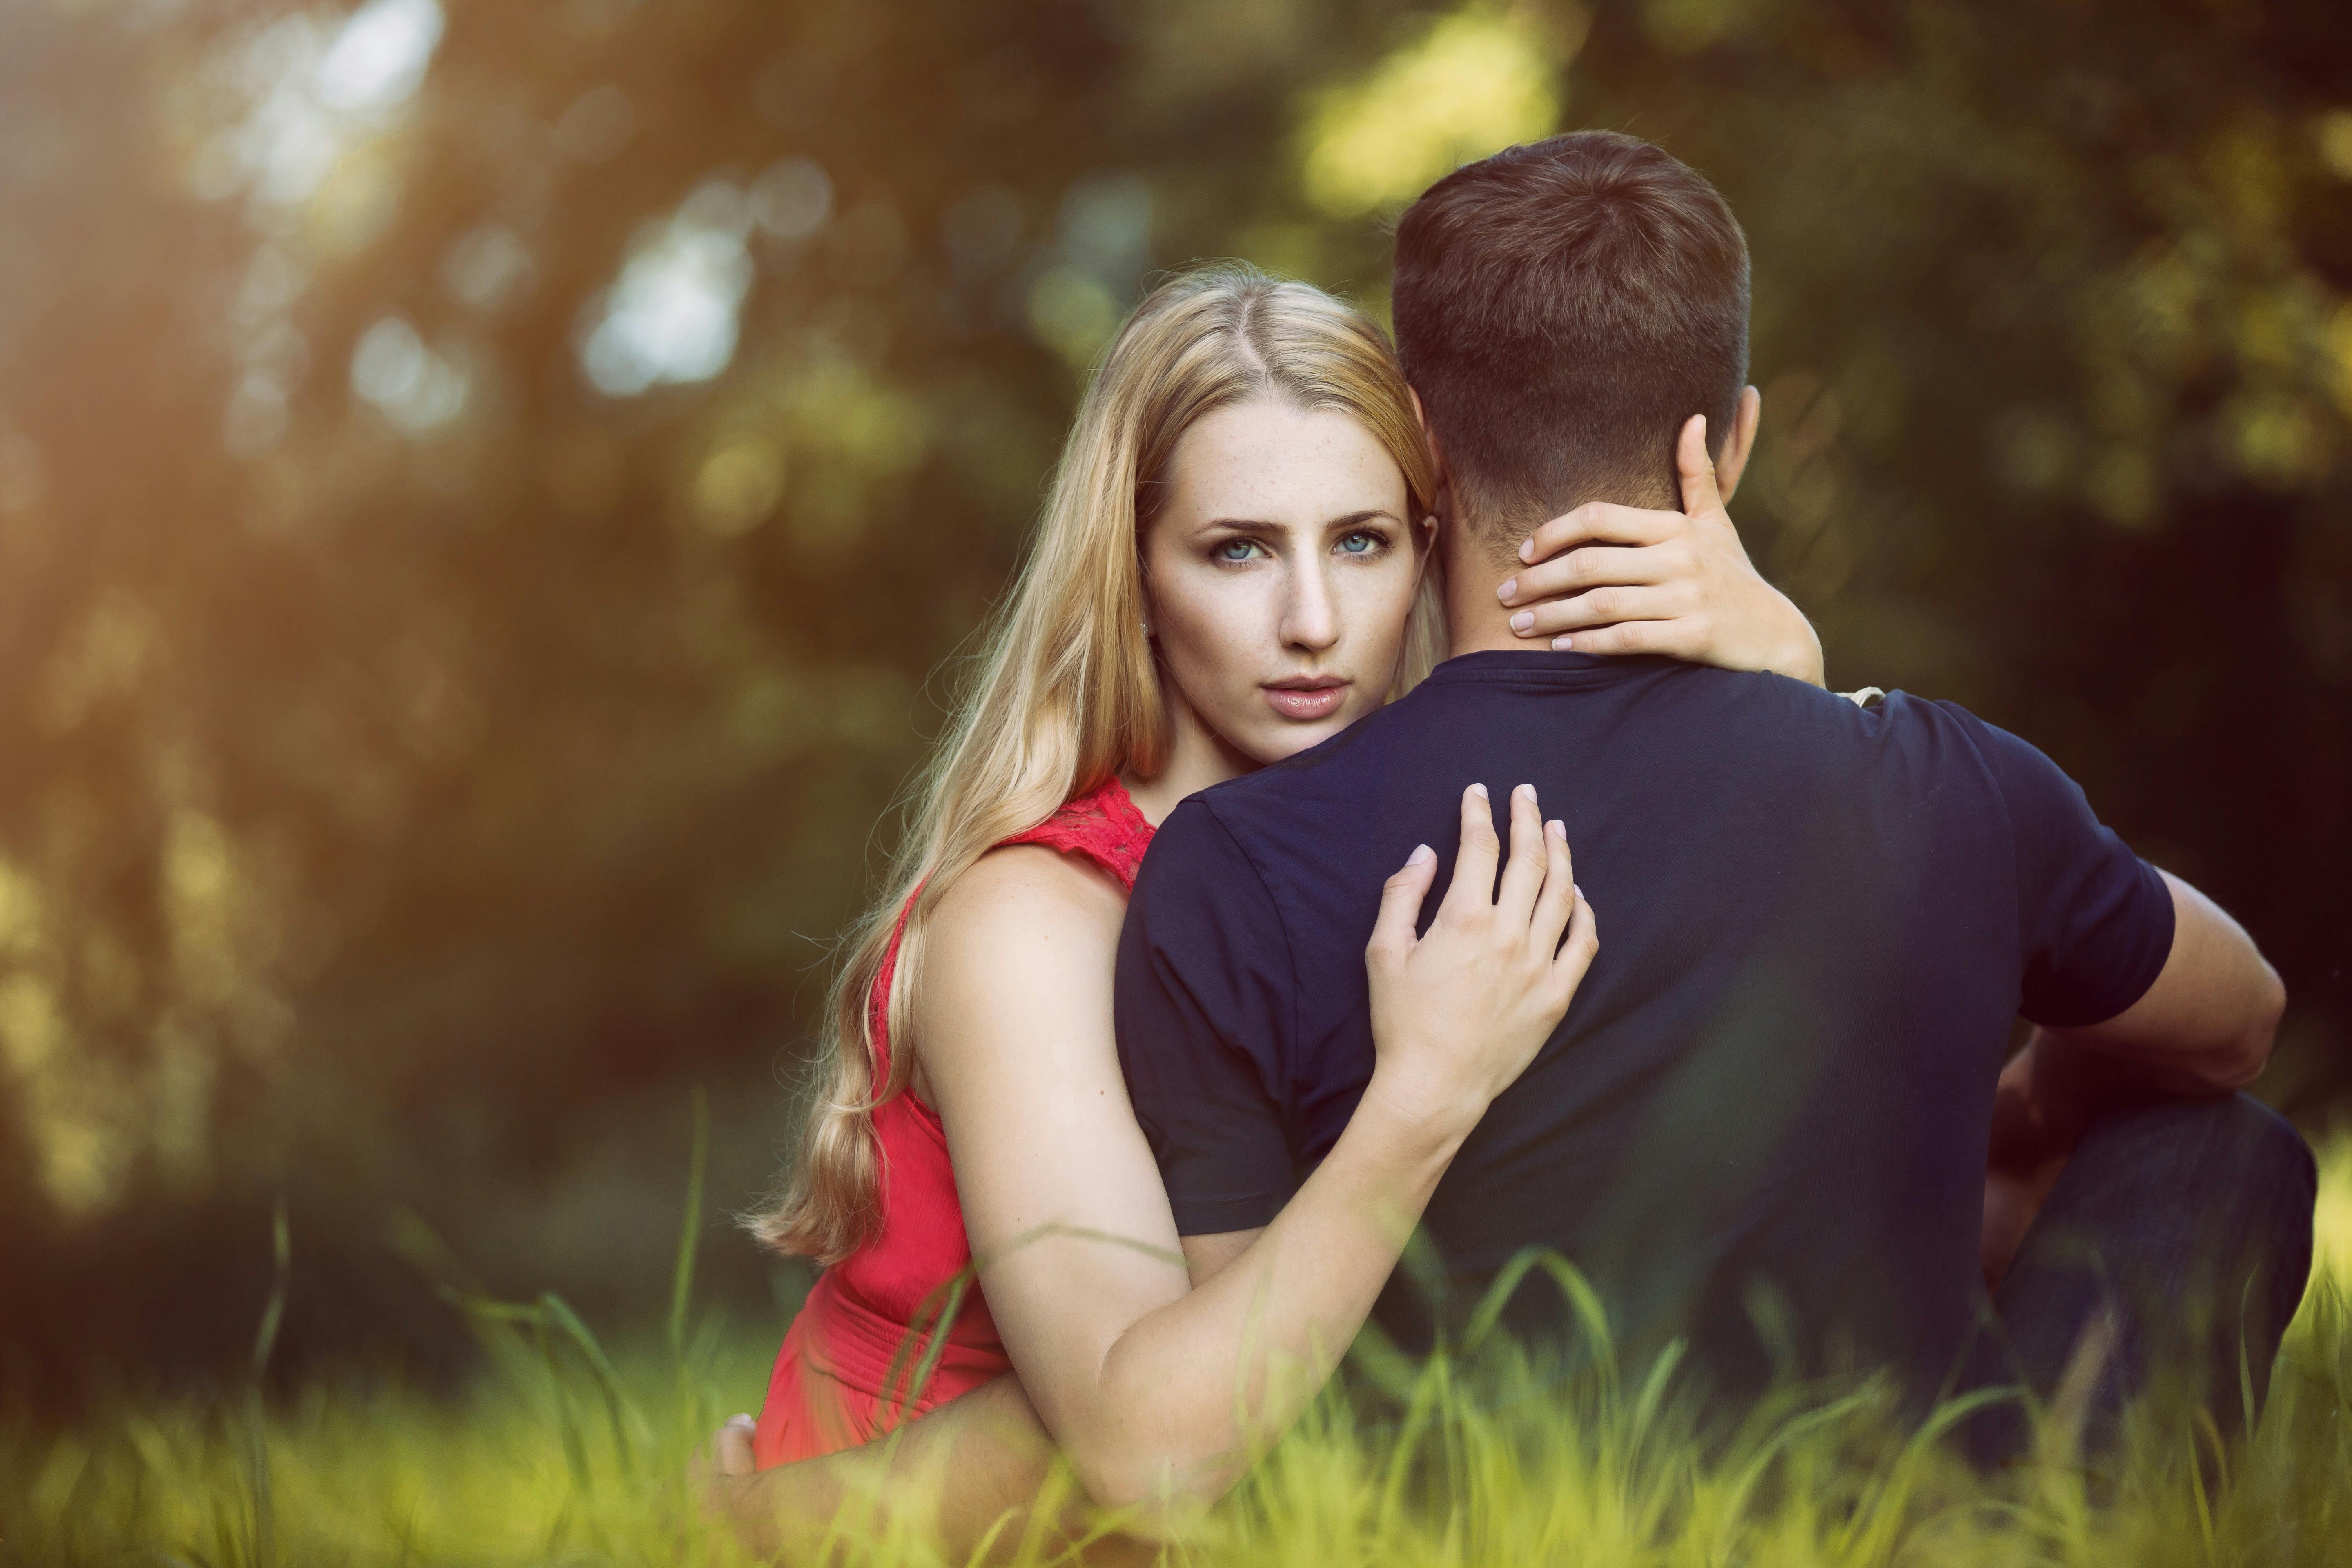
[2204, 1028]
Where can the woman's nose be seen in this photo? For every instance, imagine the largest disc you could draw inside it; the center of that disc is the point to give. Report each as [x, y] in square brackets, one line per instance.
[1310, 620]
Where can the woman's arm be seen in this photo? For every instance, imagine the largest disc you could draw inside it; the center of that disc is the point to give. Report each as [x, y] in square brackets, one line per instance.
[1160, 1395]
[959, 1477]
[1617, 580]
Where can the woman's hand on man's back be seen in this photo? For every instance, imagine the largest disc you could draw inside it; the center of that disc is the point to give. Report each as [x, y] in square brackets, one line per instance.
[1459, 1012]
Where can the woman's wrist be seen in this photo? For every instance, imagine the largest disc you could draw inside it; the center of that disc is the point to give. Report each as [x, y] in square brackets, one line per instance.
[1802, 657]
[1416, 1111]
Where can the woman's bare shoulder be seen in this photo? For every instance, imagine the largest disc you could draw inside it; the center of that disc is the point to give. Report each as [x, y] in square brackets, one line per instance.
[1025, 942]
[1021, 900]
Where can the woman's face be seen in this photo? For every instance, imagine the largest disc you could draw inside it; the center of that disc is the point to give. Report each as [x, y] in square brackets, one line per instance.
[1279, 574]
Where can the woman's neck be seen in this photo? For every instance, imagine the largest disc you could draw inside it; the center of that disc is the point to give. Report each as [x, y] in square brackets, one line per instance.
[1199, 757]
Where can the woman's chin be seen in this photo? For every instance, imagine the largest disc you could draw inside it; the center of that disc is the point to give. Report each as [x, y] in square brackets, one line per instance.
[1288, 739]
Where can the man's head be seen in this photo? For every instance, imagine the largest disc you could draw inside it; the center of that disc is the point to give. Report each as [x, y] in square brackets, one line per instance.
[1561, 310]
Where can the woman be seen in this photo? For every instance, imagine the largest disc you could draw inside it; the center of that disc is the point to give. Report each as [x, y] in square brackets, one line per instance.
[1235, 564]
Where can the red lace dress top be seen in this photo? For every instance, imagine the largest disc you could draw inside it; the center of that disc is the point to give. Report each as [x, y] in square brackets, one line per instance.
[867, 1352]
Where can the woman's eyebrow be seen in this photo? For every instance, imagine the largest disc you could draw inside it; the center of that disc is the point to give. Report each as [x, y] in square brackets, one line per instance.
[1260, 525]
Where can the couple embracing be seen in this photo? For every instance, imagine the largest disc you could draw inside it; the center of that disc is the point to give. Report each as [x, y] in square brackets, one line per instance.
[1358, 647]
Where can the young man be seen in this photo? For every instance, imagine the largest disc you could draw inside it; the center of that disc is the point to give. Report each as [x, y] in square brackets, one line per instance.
[1779, 1083]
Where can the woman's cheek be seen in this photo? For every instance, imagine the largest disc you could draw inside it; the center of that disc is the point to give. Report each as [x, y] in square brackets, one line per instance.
[1204, 649]
[1377, 617]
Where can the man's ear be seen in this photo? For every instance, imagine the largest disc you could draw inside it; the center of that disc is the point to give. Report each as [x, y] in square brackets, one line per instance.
[1444, 479]
[1732, 461]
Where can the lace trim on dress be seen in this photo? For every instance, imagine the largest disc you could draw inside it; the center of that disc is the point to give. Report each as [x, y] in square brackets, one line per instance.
[1103, 825]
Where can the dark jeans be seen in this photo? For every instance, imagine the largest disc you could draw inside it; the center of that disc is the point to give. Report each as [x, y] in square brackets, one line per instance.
[2176, 1243]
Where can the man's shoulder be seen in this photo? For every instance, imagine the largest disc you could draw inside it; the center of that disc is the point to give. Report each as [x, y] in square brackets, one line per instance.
[1200, 891]
[1758, 718]
[1196, 843]
[1894, 747]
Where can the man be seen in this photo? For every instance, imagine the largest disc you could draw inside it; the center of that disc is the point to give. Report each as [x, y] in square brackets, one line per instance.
[1772, 1101]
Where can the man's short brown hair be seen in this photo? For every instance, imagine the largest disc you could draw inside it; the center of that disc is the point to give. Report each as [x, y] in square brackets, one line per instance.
[1562, 308]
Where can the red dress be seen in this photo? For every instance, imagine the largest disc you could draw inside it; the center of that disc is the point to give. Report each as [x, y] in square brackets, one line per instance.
[852, 1366]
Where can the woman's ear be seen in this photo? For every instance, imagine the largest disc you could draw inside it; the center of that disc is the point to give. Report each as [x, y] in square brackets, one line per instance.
[1436, 452]
[1441, 495]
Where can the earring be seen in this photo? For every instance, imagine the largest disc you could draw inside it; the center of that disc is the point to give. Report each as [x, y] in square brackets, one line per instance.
[1147, 627]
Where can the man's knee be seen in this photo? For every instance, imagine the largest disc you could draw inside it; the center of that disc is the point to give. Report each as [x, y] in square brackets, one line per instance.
[2188, 1197]
[2281, 1178]
[2233, 1144]
[2260, 1154]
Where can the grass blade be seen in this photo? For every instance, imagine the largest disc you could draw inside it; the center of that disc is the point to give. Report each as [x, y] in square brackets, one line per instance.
[681, 1285]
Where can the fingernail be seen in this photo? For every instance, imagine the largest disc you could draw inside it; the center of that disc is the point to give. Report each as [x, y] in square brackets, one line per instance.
[1421, 856]
[1527, 790]
[1557, 829]
[1506, 590]
[1478, 790]
[740, 1421]
[1562, 645]
[1527, 549]
[1524, 621]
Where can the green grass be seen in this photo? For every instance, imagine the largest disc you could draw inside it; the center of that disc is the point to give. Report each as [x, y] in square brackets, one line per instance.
[561, 1454]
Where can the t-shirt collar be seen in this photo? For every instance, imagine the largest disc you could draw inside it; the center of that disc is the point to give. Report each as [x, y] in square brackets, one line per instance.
[1566, 669]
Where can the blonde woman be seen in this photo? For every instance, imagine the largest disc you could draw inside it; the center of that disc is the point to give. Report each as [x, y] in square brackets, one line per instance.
[1235, 564]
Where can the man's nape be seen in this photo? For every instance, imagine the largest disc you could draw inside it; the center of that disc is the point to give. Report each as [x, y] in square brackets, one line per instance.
[1491, 517]
[1483, 527]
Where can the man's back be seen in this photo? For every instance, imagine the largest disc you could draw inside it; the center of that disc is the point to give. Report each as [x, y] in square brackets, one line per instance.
[1817, 923]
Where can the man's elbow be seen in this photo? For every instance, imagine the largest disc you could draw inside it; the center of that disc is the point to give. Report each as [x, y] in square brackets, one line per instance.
[2265, 1008]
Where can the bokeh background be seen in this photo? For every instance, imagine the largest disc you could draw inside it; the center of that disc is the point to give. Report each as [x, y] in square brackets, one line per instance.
[491, 492]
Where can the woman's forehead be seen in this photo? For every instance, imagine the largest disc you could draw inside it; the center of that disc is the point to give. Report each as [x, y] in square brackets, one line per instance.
[1273, 461]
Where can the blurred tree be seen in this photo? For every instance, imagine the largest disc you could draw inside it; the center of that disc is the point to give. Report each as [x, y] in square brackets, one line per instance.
[486, 496]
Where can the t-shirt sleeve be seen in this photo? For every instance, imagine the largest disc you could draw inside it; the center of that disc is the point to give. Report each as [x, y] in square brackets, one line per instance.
[2095, 920]
[1203, 1012]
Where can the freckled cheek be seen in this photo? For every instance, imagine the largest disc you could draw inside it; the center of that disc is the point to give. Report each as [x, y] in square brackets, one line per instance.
[1214, 634]
[1374, 605]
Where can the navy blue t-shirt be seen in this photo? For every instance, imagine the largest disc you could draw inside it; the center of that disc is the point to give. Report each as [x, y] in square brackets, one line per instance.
[1817, 924]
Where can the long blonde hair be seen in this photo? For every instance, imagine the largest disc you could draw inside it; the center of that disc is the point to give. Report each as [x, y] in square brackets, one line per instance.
[1065, 694]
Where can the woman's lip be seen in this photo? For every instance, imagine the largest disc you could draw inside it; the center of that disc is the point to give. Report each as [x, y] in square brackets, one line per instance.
[1307, 703]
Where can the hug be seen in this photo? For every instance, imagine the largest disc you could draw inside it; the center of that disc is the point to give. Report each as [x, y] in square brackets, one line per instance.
[1388, 799]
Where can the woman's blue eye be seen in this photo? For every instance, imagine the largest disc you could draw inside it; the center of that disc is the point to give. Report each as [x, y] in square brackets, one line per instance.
[1360, 543]
[1236, 549]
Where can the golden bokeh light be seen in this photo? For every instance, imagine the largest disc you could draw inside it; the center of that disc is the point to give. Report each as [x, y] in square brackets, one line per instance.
[1477, 80]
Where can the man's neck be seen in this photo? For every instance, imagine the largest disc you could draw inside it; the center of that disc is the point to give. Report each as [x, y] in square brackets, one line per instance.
[1476, 618]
